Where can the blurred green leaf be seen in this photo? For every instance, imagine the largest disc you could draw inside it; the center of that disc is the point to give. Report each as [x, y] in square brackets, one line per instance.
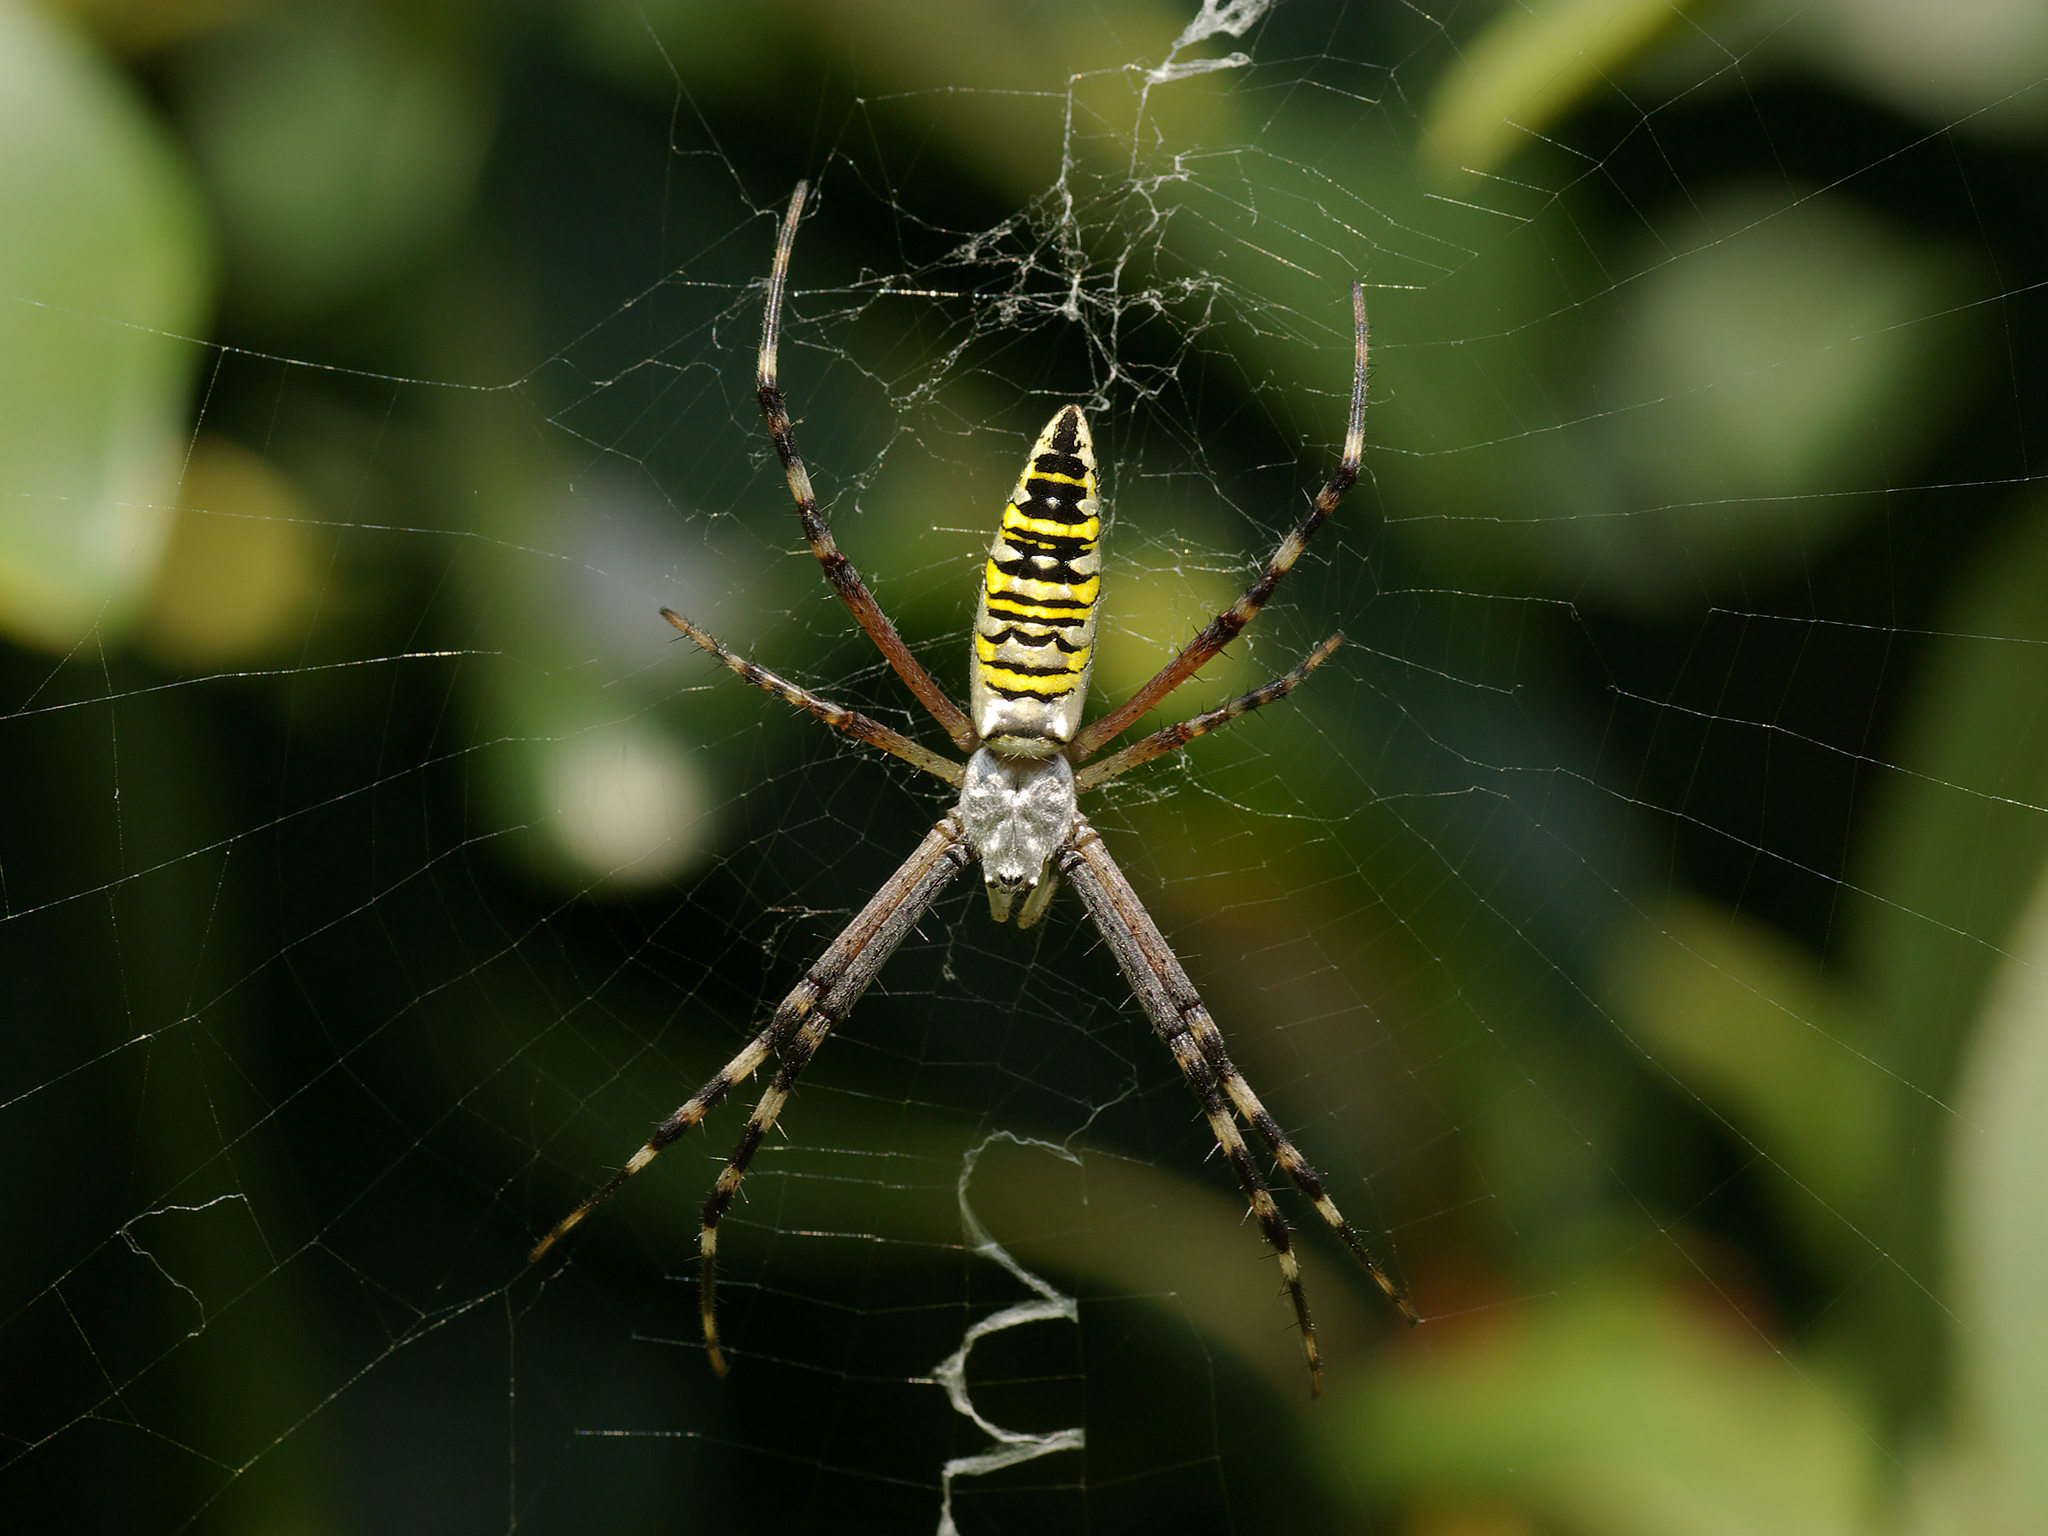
[1715, 406]
[1746, 1019]
[1960, 834]
[1778, 364]
[1616, 1412]
[1999, 1214]
[1954, 847]
[105, 270]
[599, 790]
[338, 148]
[242, 571]
[1532, 64]
[1723, 417]
[1974, 65]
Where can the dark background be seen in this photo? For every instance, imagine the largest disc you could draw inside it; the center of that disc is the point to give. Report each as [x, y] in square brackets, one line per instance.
[1632, 920]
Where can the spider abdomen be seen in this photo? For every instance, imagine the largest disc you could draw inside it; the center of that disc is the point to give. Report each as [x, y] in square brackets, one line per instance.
[1034, 633]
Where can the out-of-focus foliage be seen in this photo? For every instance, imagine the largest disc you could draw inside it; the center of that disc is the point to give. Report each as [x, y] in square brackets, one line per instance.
[1618, 1410]
[1527, 69]
[339, 150]
[102, 226]
[1641, 920]
[241, 567]
[1998, 1226]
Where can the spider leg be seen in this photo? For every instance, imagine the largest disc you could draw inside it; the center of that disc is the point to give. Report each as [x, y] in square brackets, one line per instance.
[1165, 993]
[839, 571]
[1174, 737]
[824, 998]
[1226, 626]
[826, 995]
[1207, 1035]
[860, 727]
[1296, 1167]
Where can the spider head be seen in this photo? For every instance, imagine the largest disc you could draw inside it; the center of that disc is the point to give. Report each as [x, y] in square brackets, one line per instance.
[1016, 812]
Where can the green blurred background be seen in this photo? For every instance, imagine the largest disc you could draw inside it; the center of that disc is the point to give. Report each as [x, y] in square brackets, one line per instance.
[1640, 920]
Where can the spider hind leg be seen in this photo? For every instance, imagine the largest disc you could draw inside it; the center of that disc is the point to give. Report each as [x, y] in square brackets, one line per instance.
[1182, 1022]
[824, 997]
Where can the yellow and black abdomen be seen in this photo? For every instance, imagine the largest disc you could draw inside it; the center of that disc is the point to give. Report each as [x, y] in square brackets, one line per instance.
[1034, 635]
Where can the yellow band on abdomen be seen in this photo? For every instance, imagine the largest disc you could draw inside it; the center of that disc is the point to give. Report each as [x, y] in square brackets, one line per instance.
[1034, 634]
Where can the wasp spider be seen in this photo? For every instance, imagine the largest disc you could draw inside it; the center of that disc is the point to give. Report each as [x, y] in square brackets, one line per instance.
[1034, 641]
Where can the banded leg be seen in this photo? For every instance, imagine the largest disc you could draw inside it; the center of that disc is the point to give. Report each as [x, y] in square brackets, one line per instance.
[828, 994]
[839, 571]
[860, 727]
[1177, 1012]
[1174, 737]
[825, 995]
[1114, 906]
[1297, 1168]
[1179, 991]
[1226, 626]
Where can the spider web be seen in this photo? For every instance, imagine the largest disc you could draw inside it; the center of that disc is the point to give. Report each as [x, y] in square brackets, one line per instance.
[1635, 921]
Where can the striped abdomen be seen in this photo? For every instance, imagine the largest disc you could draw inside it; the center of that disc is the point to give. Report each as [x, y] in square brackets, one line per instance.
[1034, 635]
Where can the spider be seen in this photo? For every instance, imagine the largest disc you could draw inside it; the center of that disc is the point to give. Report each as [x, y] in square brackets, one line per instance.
[1034, 639]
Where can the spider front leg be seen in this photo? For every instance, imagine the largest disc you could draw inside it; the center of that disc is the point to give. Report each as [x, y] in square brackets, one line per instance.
[1228, 624]
[839, 571]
